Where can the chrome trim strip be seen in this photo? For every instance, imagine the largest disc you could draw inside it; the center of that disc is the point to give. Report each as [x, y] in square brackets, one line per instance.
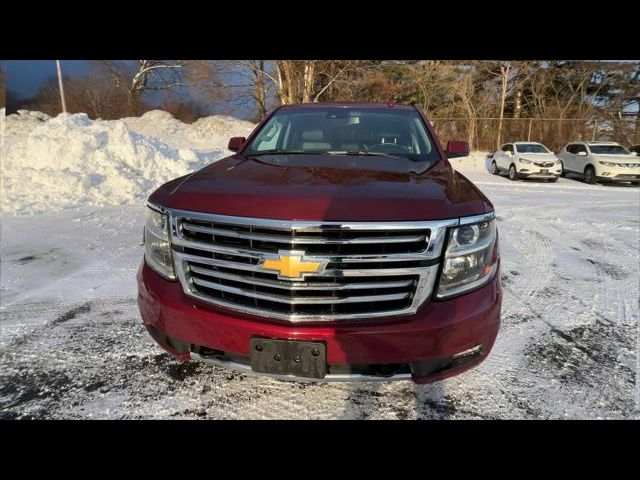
[363, 272]
[287, 285]
[258, 254]
[311, 226]
[342, 377]
[477, 218]
[247, 292]
[300, 240]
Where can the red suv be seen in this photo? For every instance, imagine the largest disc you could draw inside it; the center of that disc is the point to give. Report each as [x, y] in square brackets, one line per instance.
[337, 243]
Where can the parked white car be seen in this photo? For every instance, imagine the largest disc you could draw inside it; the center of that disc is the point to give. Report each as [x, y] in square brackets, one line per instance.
[526, 160]
[596, 161]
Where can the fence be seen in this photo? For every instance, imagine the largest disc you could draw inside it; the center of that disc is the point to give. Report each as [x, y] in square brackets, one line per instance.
[483, 133]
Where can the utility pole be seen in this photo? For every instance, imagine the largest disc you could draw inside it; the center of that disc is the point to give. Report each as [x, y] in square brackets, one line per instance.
[64, 103]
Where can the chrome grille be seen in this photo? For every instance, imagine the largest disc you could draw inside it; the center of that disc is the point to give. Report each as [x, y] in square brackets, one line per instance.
[368, 269]
[544, 164]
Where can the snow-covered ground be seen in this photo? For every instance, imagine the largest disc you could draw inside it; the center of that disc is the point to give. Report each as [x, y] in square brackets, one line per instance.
[73, 346]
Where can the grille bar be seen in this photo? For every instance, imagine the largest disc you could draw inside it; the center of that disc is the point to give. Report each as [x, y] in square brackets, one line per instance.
[299, 285]
[301, 240]
[258, 253]
[300, 300]
[328, 273]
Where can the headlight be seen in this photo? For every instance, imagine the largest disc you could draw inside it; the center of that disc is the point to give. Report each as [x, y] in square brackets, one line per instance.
[608, 164]
[157, 248]
[469, 261]
[522, 160]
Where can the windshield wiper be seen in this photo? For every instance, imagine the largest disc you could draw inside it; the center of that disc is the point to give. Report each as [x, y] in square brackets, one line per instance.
[358, 152]
[277, 151]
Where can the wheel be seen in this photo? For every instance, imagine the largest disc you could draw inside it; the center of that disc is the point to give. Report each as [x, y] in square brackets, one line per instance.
[494, 168]
[563, 172]
[513, 174]
[553, 180]
[589, 175]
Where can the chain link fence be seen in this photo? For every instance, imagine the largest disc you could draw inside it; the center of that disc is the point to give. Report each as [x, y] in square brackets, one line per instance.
[484, 133]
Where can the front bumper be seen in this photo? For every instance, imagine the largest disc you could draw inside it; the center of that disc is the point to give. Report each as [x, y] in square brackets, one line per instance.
[619, 177]
[424, 347]
[535, 171]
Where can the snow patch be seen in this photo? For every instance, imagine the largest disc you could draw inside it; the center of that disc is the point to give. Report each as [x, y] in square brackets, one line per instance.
[70, 160]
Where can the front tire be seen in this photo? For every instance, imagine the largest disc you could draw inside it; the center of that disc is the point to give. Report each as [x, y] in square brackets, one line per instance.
[494, 168]
[590, 175]
[513, 173]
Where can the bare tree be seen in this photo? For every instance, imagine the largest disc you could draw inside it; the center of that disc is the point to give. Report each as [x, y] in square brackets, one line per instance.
[145, 75]
[260, 87]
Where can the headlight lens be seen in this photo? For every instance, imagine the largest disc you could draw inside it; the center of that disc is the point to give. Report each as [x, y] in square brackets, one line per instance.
[157, 248]
[608, 164]
[469, 261]
[522, 160]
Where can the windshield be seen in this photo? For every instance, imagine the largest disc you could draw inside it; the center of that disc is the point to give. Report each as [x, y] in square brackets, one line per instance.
[531, 148]
[345, 131]
[608, 150]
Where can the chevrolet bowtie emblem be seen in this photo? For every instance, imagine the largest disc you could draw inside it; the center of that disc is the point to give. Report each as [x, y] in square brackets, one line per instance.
[292, 265]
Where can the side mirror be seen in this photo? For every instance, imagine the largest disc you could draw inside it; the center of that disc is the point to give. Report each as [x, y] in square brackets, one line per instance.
[457, 149]
[509, 153]
[236, 143]
[582, 153]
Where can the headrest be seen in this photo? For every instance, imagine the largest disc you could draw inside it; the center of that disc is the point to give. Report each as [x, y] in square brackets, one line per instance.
[312, 136]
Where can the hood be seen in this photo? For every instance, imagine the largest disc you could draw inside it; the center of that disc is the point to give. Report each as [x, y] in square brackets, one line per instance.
[325, 187]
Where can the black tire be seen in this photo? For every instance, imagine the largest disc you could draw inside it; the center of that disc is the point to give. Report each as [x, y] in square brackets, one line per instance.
[494, 168]
[563, 172]
[590, 175]
[513, 173]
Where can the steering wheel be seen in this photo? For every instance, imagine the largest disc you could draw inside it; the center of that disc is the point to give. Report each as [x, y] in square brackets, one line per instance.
[389, 148]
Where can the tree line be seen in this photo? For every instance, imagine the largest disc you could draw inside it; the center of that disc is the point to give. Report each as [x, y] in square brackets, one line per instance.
[483, 102]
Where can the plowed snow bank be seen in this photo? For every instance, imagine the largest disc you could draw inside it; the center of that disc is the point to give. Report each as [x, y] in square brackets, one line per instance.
[71, 160]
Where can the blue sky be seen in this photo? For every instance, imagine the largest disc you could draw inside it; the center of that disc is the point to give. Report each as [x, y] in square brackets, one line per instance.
[25, 76]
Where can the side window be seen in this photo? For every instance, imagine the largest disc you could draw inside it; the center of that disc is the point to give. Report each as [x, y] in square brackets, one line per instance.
[505, 147]
[581, 148]
[571, 148]
[510, 148]
[269, 138]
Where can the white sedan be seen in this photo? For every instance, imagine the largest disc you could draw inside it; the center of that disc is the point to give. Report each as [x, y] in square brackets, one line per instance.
[526, 160]
[600, 161]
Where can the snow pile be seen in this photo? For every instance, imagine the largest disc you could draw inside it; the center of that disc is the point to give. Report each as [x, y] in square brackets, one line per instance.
[71, 160]
[475, 162]
[208, 133]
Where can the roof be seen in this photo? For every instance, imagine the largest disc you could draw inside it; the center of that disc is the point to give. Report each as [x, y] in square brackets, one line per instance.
[526, 143]
[347, 105]
[601, 143]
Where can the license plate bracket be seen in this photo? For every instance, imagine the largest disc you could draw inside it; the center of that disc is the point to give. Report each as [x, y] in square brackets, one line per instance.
[544, 170]
[288, 357]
